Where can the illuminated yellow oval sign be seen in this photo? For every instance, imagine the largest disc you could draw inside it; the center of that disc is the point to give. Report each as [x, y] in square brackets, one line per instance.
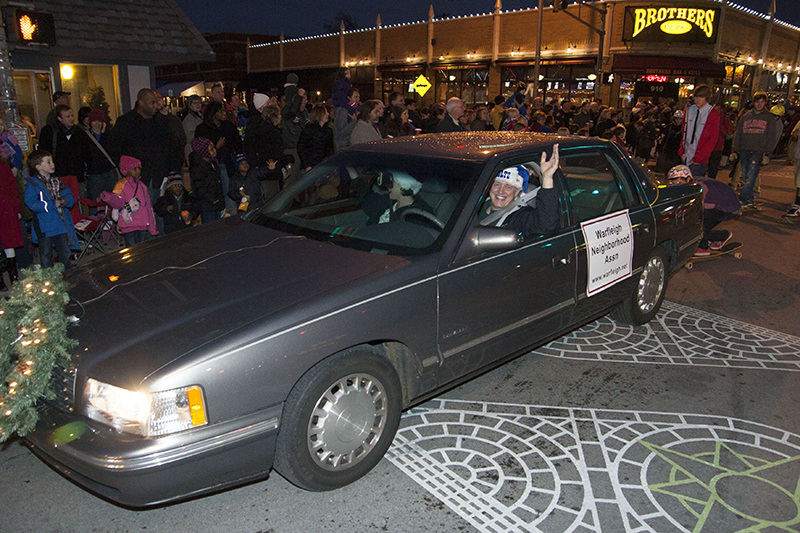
[676, 27]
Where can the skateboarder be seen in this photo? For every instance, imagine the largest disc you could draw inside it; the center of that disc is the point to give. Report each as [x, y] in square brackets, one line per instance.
[720, 203]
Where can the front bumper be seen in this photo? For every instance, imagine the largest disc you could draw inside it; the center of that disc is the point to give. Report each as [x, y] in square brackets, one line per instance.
[139, 472]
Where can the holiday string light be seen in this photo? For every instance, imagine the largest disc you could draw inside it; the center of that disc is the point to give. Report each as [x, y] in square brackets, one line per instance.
[33, 339]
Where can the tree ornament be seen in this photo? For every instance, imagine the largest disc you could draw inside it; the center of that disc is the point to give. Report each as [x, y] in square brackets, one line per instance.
[33, 339]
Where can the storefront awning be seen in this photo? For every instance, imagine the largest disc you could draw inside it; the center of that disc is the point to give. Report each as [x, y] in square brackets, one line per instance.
[175, 88]
[667, 66]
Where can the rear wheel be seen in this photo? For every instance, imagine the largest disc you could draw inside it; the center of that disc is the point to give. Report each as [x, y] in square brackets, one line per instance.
[643, 305]
[339, 420]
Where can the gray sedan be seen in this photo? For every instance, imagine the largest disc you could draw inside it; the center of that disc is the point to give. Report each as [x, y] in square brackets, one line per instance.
[294, 337]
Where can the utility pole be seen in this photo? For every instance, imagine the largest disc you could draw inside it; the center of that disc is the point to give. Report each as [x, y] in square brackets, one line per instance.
[538, 65]
[561, 4]
[8, 93]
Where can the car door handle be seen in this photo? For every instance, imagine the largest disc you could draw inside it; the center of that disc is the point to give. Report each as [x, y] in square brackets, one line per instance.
[560, 262]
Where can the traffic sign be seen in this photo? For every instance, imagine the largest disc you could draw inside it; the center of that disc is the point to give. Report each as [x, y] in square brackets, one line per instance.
[421, 85]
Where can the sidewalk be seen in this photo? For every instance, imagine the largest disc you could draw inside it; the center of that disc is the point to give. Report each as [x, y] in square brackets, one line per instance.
[763, 287]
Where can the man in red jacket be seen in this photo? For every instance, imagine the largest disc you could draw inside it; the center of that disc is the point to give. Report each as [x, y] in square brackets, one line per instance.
[724, 130]
[700, 132]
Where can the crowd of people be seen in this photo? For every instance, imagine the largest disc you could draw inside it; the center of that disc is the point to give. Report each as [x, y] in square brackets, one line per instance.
[238, 155]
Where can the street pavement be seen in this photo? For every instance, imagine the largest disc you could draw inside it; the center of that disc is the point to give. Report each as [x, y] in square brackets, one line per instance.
[687, 424]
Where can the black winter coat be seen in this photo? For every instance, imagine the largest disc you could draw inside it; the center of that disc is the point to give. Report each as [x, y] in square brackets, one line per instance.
[206, 184]
[315, 144]
[173, 221]
[72, 155]
[98, 162]
[233, 143]
[252, 185]
[262, 142]
[150, 141]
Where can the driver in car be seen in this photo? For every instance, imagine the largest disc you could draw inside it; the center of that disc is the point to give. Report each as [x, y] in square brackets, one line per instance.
[403, 191]
[507, 207]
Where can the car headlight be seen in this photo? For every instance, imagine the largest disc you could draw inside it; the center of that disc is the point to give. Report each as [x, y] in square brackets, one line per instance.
[150, 414]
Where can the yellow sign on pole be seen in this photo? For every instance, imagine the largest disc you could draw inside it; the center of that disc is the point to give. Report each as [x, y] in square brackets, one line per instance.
[422, 85]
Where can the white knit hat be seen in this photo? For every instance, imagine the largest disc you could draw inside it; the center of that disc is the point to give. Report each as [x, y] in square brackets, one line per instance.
[259, 100]
[406, 182]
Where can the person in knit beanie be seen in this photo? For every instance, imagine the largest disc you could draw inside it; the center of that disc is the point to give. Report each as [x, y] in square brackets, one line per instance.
[205, 177]
[134, 211]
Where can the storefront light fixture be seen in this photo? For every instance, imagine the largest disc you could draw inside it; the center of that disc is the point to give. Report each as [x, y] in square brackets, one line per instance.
[592, 76]
[541, 77]
[67, 72]
[780, 65]
[760, 61]
[750, 58]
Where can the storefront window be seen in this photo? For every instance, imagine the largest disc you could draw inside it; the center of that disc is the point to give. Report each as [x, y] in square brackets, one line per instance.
[469, 84]
[738, 76]
[34, 96]
[397, 81]
[93, 86]
[556, 81]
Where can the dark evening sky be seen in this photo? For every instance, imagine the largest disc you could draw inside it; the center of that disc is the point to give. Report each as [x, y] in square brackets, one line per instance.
[299, 19]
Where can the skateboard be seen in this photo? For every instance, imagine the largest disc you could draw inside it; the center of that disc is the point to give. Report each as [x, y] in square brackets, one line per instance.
[789, 220]
[730, 248]
[757, 206]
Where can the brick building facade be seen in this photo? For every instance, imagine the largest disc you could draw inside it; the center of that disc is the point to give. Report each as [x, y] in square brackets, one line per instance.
[590, 49]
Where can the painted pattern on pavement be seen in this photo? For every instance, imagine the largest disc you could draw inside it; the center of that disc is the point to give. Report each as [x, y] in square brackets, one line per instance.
[681, 335]
[509, 467]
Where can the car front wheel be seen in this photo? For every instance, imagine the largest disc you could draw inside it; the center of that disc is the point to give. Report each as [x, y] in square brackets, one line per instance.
[338, 420]
[641, 307]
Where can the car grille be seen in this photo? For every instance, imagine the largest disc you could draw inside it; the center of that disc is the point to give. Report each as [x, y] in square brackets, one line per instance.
[62, 383]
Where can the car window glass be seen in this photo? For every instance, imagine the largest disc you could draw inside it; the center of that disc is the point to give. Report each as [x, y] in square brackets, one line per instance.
[382, 203]
[629, 192]
[592, 184]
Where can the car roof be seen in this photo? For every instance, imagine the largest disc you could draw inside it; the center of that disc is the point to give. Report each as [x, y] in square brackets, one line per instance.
[475, 146]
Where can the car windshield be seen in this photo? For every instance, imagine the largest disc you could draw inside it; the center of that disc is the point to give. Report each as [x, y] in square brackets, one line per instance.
[382, 203]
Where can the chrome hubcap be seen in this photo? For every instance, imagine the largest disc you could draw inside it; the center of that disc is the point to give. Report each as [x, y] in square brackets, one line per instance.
[651, 283]
[347, 421]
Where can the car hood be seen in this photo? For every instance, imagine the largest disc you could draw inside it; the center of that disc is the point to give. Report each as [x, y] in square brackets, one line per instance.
[143, 307]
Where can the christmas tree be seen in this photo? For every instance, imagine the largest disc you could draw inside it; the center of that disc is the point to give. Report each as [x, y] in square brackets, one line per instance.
[33, 339]
[96, 99]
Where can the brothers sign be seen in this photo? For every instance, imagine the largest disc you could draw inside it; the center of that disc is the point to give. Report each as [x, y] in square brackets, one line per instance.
[670, 23]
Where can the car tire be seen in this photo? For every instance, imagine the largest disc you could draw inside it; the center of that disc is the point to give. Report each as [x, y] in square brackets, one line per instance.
[338, 420]
[643, 305]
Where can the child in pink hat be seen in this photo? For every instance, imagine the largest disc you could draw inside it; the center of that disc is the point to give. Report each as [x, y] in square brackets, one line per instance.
[135, 213]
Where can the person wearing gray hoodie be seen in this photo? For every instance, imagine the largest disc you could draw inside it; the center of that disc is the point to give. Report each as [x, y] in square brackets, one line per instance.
[754, 136]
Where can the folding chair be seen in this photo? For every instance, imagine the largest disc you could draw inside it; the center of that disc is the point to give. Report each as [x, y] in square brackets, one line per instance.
[90, 228]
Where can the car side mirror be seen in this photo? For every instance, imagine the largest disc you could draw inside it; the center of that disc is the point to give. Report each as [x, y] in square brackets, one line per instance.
[489, 239]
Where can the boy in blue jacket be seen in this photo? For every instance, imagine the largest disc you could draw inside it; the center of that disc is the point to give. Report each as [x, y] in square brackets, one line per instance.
[50, 200]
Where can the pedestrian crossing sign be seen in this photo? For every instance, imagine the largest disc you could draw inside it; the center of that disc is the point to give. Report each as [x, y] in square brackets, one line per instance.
[421, 85]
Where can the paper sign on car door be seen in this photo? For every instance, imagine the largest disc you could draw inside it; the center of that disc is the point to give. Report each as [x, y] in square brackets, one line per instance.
[609, 250]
